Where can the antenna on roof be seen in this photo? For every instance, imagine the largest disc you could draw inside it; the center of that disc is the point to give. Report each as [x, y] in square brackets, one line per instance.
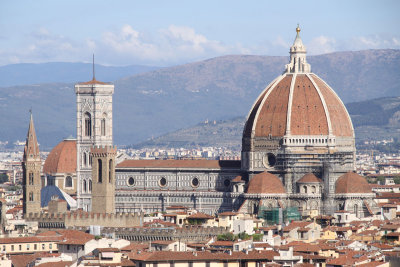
[94, 76]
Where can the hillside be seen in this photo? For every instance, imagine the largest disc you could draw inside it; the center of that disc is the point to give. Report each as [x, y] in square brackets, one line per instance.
[165, 100]
[63, 72]
[372, 119]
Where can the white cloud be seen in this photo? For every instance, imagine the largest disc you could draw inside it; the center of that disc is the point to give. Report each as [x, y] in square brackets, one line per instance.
[43, 46]
[174, 44]
[321, 45]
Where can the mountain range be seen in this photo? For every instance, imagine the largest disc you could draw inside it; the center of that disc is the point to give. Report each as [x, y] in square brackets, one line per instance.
[152, 103]
[372, 119]
[63, 72]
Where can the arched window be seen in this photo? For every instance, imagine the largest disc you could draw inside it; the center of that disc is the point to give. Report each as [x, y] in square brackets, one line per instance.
[110, 166]
[84, 159]
[100, 171]
[103, 124]
[88, 124]
[313, 189]
[84, 186]
[30, 196]
[90, 160]
[103, 127]
[31, 178]
[68, 181]
[90, 186]
[305, 189]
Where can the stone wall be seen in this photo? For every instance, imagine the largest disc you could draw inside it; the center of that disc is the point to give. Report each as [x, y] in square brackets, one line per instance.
[184, 234]
[67, 220]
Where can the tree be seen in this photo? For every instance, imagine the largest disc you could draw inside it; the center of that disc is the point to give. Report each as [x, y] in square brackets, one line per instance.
[226, 237]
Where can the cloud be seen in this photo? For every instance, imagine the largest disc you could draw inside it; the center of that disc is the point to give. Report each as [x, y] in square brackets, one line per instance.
[321, 45]
[43, 46]
[187, 40]
[373, 42]
[131, 43]
[175, 44]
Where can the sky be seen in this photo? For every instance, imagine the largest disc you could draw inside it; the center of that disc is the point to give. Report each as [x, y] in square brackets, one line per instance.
[165, 33]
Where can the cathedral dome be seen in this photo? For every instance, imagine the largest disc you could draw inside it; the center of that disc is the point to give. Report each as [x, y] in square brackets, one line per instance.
[309, 178]
[265, 183]
[352, 183]
[298, 103]
[62, 158]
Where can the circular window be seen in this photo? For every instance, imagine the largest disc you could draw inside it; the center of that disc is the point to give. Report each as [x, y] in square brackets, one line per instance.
[227, 182]
[131, 181]
[195, 182]
[162, 181]
[269, 160]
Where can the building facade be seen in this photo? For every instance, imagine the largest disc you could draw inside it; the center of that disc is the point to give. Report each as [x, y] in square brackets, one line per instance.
[93, 128]
[298, 150]
[31, 165]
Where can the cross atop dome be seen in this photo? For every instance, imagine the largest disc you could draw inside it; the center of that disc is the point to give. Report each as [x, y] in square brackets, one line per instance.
[298, 62]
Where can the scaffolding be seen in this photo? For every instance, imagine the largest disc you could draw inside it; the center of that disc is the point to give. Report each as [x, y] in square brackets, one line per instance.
[278, 215]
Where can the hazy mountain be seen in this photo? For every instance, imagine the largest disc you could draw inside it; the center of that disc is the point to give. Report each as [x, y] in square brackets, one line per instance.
[63, 72]
[372, 119]
[165, 100]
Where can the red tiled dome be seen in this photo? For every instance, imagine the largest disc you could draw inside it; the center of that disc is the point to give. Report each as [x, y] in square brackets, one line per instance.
[312, 108]
[62, 158]
[350, 183]
[309, 178]
[265, 183]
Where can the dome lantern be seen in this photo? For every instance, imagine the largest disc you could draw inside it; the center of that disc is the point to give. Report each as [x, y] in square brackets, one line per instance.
[298, 62]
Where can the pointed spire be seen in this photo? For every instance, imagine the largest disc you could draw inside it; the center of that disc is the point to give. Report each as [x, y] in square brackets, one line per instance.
[93, 81]
[298, 62]
[31, 146]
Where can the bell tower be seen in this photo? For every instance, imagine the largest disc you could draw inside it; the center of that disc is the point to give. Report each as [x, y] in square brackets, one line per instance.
[103, 176]
[31, 165]
[94, 128]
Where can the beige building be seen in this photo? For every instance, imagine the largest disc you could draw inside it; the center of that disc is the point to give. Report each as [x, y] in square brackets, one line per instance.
[27, 245]
[203, 259]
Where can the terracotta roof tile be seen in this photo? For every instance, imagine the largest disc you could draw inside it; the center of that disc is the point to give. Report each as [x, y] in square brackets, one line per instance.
[238, 179]
[309, 178]
[268, 115]
[157, 256]
[352, 183]
[62, 158]
[199, 215]
[265, 183]
[308, 115]
[341, 124]
[93, 81]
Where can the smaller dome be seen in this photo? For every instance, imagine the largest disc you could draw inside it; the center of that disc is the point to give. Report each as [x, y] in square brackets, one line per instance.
[352, 183]
[265, 183]
[309, 178]
[62, 158]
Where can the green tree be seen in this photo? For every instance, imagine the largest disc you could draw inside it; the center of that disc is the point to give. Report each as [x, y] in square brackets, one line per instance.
[257, 237]
[226, 237]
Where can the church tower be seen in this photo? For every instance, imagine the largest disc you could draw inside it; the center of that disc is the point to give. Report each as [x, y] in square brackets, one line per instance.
[103, 175]
[31, 172]
[94, 128]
